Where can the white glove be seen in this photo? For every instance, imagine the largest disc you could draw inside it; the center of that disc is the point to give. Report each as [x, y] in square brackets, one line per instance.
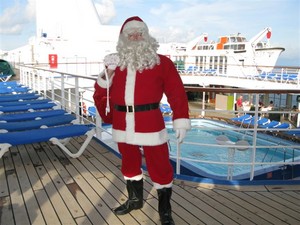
[111, 61]
[180, 134]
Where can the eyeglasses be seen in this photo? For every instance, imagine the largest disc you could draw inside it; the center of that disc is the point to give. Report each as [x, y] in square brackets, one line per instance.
[135, 36]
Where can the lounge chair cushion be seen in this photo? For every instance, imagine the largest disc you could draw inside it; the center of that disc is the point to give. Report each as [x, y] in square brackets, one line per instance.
[18, 97]
[35, 124]
[14, 117]
[27, 107]
[25, 102]
[56, 135]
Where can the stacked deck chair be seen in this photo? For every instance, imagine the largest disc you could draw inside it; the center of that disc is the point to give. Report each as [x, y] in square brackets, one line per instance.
[26, 117]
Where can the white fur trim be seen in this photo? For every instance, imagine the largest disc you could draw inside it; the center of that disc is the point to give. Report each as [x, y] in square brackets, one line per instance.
[135, 178]
[161, 186]
[134, 24]
[129, 100]
[143, 139]
[103, 82]
[130, 124]
[129, 86]
[182, 123]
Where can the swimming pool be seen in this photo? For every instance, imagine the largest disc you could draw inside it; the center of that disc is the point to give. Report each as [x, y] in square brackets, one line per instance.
[200, 144]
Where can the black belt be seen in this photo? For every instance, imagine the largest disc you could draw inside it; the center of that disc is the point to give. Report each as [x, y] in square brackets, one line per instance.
[136, 108]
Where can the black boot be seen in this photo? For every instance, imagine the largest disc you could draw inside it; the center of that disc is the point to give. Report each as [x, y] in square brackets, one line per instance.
[164, 206]
[135, 198]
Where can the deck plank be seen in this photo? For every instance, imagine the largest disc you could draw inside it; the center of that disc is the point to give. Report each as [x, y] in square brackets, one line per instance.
[3, 183]
[40, 184]
[17, 202]
[215, 210]
[266, 211]
[6, 215]
[276, 209]
[242, 206]
[62, 188]
[32, 207]
[61, 209]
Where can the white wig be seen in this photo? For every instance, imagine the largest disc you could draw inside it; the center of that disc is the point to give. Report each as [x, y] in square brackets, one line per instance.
[141, 54]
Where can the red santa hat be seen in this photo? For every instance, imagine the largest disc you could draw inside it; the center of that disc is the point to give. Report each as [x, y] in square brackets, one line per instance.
[134, 23]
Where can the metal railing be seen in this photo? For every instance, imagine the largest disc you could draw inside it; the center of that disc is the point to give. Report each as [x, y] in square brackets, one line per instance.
[74, 94]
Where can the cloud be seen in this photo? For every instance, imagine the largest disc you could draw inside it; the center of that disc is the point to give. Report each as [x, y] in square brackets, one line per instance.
[15, 18]
[106, 10]
[186, 19]
[29, 11]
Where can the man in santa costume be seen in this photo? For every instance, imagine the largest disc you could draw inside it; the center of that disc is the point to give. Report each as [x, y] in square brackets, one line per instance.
[135, 79]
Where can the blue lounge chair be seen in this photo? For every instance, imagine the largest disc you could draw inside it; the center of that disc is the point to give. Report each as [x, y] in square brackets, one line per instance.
[190, 70]
[39, 123]
[263, 121]
[165, 109]
[260, 121]
[12, 83]
[57, 135]
[242, 118]
[19, 97]
[250, 121]
[32, 107]
[282, 126]
[14, 90]
[272, 124]
[293, 132]
[25, 102]
[208, 72]
[15, 117]
[92, 111]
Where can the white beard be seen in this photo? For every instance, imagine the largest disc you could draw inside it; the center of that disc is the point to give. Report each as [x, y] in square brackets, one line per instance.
[139, 55]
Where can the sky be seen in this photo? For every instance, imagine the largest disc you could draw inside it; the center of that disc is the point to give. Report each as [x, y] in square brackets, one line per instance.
[176, 20]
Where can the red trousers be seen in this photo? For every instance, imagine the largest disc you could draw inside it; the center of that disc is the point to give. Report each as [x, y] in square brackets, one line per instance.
[157, 161]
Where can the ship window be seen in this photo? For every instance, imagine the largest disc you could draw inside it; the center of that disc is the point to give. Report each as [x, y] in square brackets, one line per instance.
[239, 39]
[259, 45]
[241, 47]
[216, 62]
[225, 65]
[210, 62]
[232, 39]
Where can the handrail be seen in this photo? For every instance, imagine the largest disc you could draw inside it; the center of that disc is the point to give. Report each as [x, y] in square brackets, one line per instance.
[72, 90]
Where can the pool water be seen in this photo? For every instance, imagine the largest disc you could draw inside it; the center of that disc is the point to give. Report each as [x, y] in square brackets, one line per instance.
[203, 133]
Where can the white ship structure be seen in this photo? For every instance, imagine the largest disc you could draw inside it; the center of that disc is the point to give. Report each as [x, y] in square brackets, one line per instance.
[231, 55]
[77, 44]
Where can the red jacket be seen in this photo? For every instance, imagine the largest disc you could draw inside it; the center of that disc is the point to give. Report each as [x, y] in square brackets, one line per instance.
[134, 88]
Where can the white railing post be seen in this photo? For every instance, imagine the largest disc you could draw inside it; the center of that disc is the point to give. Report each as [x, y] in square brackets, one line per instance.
[77, 98]
[178, 157]
[254, 138]
[98, 125]
[62, 86]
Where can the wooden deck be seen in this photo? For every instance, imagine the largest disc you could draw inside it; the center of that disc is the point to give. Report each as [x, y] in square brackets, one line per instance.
[40, 185]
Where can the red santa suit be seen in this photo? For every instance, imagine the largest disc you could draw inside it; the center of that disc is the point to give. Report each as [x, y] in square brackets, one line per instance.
[137, 120]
